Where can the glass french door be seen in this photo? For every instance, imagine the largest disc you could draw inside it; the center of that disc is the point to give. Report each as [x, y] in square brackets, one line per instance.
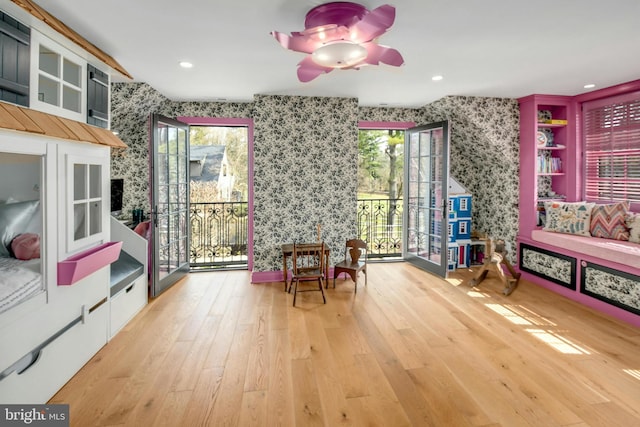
[169, 201]
[425, 235]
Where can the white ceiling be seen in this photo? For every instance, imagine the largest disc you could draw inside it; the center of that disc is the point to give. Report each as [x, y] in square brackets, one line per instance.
[500, 48]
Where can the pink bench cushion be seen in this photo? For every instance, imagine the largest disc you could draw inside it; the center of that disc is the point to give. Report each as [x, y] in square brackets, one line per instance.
[619, 251]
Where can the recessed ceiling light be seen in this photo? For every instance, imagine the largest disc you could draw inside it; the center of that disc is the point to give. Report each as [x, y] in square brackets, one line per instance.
[186, 64]
[436, 78]
[589, 86]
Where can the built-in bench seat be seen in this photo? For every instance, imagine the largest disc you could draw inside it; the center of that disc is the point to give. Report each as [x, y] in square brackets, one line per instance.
[619, 251]
[601, 273]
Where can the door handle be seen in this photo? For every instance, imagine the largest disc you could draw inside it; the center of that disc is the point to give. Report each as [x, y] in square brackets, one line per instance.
[153, 215]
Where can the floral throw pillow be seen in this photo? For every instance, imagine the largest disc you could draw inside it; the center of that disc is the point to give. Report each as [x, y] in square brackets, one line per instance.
[570, 218]
[608, 221]
[633, 222]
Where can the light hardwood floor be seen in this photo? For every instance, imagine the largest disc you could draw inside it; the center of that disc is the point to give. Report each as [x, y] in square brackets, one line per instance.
[408, 350]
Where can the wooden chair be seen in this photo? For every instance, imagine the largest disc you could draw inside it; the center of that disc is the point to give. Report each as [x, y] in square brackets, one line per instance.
[308, 265]
[355, 261]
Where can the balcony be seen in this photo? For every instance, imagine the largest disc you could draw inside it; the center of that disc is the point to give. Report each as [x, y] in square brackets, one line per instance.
[380, 225]
[219, 232]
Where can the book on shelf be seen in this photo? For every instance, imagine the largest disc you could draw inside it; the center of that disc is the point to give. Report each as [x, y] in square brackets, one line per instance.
[548, 164]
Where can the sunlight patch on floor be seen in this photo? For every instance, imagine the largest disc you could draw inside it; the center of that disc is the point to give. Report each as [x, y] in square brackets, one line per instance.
[454, 282]
[531, 316]
[563, 345]
[635, 373]
[476, 294]
[508, 314]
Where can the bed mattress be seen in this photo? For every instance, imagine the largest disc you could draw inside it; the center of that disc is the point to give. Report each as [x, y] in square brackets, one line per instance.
[19, 281]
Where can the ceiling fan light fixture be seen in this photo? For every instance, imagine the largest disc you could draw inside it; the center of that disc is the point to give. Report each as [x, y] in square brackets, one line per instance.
[341, 35]
[339, 54]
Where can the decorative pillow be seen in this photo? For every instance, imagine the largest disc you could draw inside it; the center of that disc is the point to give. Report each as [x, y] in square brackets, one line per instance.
[608, 221]
[633, 222]
[15, 219]
[26, 246]
[570, 218]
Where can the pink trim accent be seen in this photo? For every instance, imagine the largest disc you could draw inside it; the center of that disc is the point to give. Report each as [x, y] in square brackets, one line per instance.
[362, 124]
[266, 276]
[228, 121]
[578, 100]
[83, 264]
[620, 89]
[613, 99]
[568, 184]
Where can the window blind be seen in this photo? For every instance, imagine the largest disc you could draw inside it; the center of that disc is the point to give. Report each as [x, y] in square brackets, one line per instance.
[612, 148]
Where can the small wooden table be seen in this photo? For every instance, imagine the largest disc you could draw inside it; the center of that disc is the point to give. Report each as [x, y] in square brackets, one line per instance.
[287, 251]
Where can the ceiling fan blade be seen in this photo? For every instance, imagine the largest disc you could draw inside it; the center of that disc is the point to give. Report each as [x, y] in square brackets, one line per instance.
[384, 54]
[309, 70]
[335, 26]
[297, 42]
[373, 24]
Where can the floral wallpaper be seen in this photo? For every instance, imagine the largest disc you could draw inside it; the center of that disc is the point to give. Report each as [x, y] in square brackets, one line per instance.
[380, 114]
[484, 158]
[305, 166]
[131, 105]
[305, 160]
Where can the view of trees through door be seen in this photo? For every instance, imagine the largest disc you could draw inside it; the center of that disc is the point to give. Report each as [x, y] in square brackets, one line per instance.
[218, 170]
[380, 176]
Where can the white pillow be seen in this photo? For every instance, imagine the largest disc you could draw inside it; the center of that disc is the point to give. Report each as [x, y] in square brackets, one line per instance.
[633, 222]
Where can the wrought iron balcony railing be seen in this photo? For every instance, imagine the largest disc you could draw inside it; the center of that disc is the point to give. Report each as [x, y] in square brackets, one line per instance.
[380, 225]
[219, 232]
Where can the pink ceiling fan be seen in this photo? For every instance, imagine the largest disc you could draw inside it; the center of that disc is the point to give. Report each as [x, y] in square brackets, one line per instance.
[341, 35]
